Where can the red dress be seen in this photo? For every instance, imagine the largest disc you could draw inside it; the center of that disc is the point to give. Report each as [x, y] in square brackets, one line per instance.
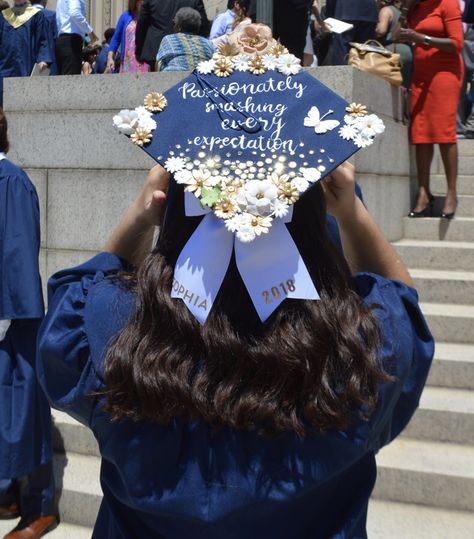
[437, 75]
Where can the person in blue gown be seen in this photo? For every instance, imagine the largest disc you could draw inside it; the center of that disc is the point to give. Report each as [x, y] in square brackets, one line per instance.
[26, 478]
[193, 438]
[23, 42]
[51, 33]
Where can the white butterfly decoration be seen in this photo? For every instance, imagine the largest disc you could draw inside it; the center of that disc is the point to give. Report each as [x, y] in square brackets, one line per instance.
[321, 126]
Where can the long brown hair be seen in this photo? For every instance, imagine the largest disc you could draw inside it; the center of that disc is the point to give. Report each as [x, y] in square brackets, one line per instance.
[312, 364]
[241, 14]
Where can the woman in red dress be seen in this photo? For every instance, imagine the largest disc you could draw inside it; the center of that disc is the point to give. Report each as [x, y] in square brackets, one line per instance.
[436, 30]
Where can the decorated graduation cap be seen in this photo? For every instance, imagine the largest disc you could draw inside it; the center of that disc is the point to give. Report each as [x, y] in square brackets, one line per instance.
[246, 135]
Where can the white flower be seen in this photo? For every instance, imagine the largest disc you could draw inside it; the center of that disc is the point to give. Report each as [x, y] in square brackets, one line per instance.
[259, 197]
[145, 119]
[311, 174]
[174, 164]
[370, 126]
[280, 208]
[288, 64]
[350, 119]
[235, 223]
[183, 177]
[245, 234]
[362, 142]
[269, 61]
[300, 183]
[241, 62]
[348, 132]
[126, 121]
[206, 67]
[201, 179]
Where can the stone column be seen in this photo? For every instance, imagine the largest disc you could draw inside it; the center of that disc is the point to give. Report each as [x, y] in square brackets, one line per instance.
[265, 12]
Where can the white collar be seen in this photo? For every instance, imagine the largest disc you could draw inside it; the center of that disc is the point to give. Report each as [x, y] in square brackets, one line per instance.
[38, 6]
[2, 156]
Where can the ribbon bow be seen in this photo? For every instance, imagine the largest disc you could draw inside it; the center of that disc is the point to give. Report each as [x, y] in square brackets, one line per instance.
[271, 266]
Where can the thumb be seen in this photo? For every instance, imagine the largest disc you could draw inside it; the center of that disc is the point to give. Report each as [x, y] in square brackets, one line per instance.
[158, 198]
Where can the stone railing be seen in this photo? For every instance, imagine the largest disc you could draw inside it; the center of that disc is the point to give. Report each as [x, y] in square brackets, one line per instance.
[86, 173]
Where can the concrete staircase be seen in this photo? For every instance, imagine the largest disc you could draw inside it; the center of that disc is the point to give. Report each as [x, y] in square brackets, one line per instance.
[425, 484]
[425, 487]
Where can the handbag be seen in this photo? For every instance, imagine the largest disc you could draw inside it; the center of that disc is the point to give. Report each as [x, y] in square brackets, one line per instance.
[375, 59]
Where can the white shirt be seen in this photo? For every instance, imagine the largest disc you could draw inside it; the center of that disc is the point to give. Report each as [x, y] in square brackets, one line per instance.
[71, 17]
[4, 324]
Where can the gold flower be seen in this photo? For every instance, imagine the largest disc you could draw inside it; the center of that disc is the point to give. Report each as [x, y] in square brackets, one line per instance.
[227, 50]
[230, 188]
[155, 102]
[141, 136]
[225, 209]
[278, 50]
[279, 179]
[288, 193]
[260, 225]
[356, 110]
[223, 67]
[256, 65]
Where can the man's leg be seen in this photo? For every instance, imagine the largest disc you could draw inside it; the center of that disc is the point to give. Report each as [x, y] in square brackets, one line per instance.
[9, 507]
[69, 54]
[38, 492]
[290, 26]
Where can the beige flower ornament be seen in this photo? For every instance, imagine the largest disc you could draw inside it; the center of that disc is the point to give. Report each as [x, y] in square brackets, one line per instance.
[253, 39]
[155, 102]
[141, 136]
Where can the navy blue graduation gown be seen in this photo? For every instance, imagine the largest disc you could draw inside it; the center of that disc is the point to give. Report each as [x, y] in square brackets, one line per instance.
[21, 48]
[25, 418]
[185, 480]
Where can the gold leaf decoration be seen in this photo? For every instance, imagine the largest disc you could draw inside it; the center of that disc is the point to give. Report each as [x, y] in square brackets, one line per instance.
[228, 50]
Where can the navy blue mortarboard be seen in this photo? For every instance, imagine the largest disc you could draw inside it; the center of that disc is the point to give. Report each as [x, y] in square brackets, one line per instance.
[247, 136]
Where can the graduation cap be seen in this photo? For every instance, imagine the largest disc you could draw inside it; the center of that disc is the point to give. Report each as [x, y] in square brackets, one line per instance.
[247, 136]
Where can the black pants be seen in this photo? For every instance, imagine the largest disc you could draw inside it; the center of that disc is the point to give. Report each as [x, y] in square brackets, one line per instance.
[362, 32]
[290, 25]
[69, 54]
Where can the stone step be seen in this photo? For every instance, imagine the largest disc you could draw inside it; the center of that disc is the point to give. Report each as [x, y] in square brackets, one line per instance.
[77, 481]
[465, 183]
[426, 473]
[465, 147]
[453, 366]
[63, 531]
[465, 205]
[444, 415]
[70, 435]
[394, 520]
[465, 164]
[431, 228]
[438, 286]
[450, 323]
[435, 254]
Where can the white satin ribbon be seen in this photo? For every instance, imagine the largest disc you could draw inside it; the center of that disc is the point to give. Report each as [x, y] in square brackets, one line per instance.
[271, 266]
[4, 325]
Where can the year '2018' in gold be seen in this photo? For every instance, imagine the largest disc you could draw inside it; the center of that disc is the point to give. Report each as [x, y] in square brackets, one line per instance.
[276, 292]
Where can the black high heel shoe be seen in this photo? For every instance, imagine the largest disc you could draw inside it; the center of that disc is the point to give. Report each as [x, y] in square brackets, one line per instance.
[451, 215]
[427, 211]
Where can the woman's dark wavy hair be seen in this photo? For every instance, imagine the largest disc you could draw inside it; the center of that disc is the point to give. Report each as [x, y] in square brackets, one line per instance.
[312, 364]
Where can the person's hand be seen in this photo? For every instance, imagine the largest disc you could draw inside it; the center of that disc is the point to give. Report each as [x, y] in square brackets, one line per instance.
[407, 35]
[93, 37]
[152, 198]
[42, 66]
[339, 191]
[110, 65]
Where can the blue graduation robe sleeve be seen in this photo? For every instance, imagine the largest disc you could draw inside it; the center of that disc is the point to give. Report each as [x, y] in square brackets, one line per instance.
[406, 353]
[20, 283]
[66, 370]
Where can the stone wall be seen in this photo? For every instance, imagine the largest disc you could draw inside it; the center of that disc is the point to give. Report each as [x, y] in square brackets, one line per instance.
[86, 173]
